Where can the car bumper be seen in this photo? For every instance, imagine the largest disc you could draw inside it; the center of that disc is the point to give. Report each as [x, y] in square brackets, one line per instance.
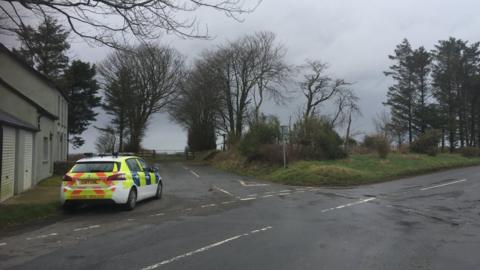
[114, 193]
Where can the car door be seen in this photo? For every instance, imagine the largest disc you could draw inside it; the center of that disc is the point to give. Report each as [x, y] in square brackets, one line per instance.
[138, 177]
[150, 178]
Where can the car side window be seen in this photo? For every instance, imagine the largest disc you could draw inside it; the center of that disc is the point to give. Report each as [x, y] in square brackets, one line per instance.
[133, 165]
[144, 165]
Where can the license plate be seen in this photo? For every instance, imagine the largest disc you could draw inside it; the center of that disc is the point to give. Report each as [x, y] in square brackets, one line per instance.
[88, 182]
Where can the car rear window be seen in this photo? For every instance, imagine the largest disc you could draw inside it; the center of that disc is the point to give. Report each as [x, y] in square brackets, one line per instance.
[94, 167]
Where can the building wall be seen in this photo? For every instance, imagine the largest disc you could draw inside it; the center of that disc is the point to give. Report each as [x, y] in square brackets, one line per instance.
[28, 84]
[50, 143]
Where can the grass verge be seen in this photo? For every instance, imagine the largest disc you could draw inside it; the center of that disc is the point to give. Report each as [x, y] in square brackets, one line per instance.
[38, 203]
[355, 170]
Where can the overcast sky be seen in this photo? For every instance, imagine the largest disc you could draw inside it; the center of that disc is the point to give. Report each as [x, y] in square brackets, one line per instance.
[353, 36]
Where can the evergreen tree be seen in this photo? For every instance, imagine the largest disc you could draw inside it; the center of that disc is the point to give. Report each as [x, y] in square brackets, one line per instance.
[45, 48]
[447, 77]
[421, 67]
[82, 88]
[401, 95]
[118, 95]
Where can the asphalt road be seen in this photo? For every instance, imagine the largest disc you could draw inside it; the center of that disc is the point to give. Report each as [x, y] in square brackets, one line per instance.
[215, 220]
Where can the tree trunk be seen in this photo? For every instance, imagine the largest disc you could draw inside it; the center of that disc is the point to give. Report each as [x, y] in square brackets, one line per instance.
[347, 136]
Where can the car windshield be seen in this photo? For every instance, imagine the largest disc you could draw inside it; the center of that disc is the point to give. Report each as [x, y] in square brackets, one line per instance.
[93, 167]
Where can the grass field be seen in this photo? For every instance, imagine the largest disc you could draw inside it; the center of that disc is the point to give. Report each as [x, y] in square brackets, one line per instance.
[38, 203]
[355, 170]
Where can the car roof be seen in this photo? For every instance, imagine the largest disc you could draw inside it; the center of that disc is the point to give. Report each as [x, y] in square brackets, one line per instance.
[105, 159]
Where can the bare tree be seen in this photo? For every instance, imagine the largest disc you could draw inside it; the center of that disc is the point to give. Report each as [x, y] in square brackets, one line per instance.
[105, 21]
[347, 108]
[346, 104]
[318, 87]
[249, 68]
[197, 105]
[107, 140]
[156, 73]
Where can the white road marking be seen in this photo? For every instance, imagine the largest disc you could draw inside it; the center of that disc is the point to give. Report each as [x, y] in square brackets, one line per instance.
[445, 184]
[42, 236]
[252, 184]
[188, 209]
[86, 228]
[282, 191]
[185, 168]
[267, 196]
[208, 205]
[3, 244]
[194, 173]
[348, 205]
[248, 199]
[228, 202]
[284, 194]
[130, 219]
[223, 190]
[205, 248]
[158, 214]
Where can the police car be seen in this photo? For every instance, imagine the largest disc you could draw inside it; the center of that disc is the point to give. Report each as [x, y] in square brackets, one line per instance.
[119, 179]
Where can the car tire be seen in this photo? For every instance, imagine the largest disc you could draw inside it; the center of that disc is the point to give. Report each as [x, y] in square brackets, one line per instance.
[132, 200]
[158, 194]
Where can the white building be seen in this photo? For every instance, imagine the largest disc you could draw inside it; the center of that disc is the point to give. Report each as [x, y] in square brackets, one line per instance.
[33, 125]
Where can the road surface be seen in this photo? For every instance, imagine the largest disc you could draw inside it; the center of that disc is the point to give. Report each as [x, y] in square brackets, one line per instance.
[215, 220]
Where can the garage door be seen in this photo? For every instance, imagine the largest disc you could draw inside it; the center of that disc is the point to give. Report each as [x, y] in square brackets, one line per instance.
[27, 161]
[8, 163]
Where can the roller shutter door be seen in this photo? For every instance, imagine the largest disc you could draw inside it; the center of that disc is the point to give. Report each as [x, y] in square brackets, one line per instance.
[8, 163]
[27, 161]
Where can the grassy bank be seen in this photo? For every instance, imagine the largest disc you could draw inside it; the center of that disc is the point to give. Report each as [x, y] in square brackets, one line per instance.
[355, 170]
[38, 203]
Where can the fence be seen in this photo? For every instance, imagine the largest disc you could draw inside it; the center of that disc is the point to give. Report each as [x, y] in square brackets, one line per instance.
[166, 154]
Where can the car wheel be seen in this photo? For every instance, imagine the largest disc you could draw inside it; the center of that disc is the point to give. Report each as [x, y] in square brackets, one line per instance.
[132, 200]
[158, 194]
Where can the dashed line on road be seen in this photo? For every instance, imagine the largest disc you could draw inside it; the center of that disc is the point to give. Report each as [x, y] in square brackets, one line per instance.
[208, 205]
[194, 173]
[267, 196]
[86, 228]
[252, 184]
[227, 202]
[223, 190]
[157, 215]
[445, 184]
[3, 244]
[348, 205]
[205, 248]
[248, 199]
[42, 236]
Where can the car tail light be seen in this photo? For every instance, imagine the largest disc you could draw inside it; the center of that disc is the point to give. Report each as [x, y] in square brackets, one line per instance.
[117, 177]
[67, 177]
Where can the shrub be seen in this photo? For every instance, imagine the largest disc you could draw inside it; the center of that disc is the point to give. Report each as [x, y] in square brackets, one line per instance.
[377, 143]
[314, 139]
[427, 143]
[382, 146]
[369, 142]
[470, 152]
[263, 132]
